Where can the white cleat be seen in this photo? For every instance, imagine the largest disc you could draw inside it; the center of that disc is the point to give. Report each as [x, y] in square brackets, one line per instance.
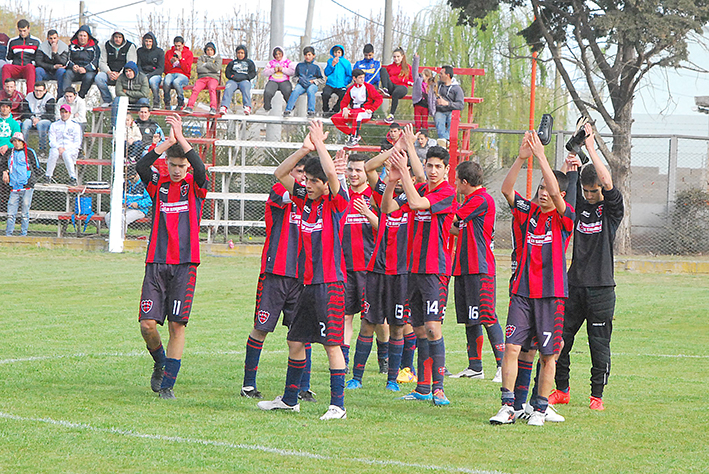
[498, 376]
[552, 416]
[469, 374]
[505, 416]
[334, 413]
[278, 404]
[523, 414]
[536, 418]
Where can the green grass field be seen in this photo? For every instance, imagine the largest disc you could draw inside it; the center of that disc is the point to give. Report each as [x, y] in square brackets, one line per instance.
[75, 397]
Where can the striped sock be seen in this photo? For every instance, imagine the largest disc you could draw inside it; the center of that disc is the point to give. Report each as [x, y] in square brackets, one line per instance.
[396, 348]
[541, 404]
[293, 376]
[474, 336]
[337, 387]
[508, 398]
[437, 349]
[382, 350]
[407, 357]
[305, 378]
[423, 386]
[253, 354]
[158, 355]
[172, 367]
[497, 341]
[524, 375]
[362, 350]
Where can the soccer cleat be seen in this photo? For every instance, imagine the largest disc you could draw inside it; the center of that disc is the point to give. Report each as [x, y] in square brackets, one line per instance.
[383, 366]
[469, 374]
[188, 110]
[596, 404]
[389, 118]
[247, 110]
[353, 384]
[307, 396]
[278, 404]
[559, 397]
[250, 392]
[505, 416]
[212, 111]
[353, 140]
[156, 378]
[393, 386]
[416, 396]
[334, 413]
[552, 416]
[440, 399]
[406, 376]
[166, 394]
[498, 376]
[223, 109]
[105, 105]
[523, 414]
[536, 418]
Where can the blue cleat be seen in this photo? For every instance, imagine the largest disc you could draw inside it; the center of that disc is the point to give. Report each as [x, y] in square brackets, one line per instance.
[353, 384]
[440, 399]
[416, 396]
[393, 386]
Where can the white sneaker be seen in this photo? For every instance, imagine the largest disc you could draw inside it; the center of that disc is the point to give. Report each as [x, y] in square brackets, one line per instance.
[278, 404]
[505, 416]
[524, 413]
[536, 418]
[469, 374]
[552, 416]
[334, 413]
[498, 376]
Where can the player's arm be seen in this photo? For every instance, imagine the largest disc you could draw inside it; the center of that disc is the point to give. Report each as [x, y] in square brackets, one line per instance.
[415, 200]
[373, 164]
[508, 184]
[409, 138]
[282, 173]
[199, 171]
[142, 167]
[318, 136]
[604, 176]
[552, 186]
[389, 205]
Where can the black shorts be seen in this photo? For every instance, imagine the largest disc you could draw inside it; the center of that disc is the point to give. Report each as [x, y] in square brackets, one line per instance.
[320, 314]
[354, 291]
[475, 299]
[386, 299]
[275, 294]
[427, 295]
[535, 323]
[167, 291]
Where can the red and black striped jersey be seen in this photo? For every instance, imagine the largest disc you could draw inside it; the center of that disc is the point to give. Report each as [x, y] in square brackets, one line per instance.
[392, 243]
[320, 257]
[430, 247]
[541, 271]
[280, 250]
[357, 234]
[474, 252]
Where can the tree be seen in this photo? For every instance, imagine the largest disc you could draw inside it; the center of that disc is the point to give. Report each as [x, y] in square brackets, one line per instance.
[613, 44]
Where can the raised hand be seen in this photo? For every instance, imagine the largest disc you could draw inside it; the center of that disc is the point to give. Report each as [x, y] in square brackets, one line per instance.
[590, 141]
[308, 143]
[340, 162]
[525, 150]
[317, 134]
[536, 145]
[409, 134]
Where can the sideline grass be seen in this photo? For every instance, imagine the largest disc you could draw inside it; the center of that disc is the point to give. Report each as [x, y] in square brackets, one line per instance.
[70, 320]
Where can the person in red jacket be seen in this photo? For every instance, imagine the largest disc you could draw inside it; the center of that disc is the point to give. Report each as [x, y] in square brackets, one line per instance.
[396, 79]
[359, 103]
[178, 68]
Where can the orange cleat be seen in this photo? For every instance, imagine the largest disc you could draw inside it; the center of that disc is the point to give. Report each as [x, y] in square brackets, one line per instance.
[596, 404]
[558, 397]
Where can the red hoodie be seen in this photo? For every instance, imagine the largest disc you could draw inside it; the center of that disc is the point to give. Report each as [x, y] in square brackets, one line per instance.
[394, 70]
[374, 98]
[186, 61]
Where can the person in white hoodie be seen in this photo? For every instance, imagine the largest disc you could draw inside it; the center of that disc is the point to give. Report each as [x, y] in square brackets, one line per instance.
[77, 104]
[64, 141]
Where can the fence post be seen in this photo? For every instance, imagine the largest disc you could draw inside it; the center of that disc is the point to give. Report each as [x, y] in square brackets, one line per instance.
[672, 173]
[115, 231]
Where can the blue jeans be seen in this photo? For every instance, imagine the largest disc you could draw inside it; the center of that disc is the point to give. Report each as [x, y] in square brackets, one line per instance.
[230, 88]
[443, 124]
[300, 90]
[175, 81]
[102, 82]
[154, 82]
[42, 128]
[25, 195]
[86, 80]
[56, 74]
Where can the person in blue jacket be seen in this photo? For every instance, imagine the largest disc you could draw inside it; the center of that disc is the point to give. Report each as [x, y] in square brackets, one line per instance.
[369, 65]
[20, 169]
[308, 75]
[339, 76]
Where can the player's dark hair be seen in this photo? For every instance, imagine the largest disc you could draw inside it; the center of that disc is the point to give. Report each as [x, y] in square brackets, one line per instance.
[357, 157]
[175, 151]
[357, 72]
[562, 179]
[589, 176]
[471, 172]
[440, 153]
[23, 24]
[52, 32]
[313, 167]
[368, 48]
[9, 79]
[448, 70]
[308, 49]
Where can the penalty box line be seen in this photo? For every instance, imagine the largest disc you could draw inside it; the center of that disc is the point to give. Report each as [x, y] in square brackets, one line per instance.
[248, 447]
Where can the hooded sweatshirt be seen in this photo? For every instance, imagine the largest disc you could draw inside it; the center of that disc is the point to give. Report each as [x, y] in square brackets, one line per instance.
[8, 127]
[134, 89]
[209, 66]
[151, 61]
[42, 108]
[86, 56]
[185, 65]
[23, 168]
[453, 94]
[114, 58]
[339, 76]
[286, 65]
[241, 69]
[305, 72]
[46, 59]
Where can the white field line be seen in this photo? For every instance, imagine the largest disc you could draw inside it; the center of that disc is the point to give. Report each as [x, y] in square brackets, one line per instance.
[248, 447]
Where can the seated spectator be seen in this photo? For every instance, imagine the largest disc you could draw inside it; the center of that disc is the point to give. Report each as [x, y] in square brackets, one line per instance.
[422, 144]
[152, 134]
[84, 53]
[38, 113]
[78, 107]
[9, 92]
[339, 76]
[115, 53]
[4, 40]
[369, 65]
[450, 97]
[178, 68]
[392, 136]
[151, 62]
[136, 199]
[64, 141]
[308, 75]
[51, 59]
[134, 140]
[21, 52]
[209, 75]
[8, 126]
[133, 84]
[358, 104]
[239, 73]
[395, 79]
[20, 169]
[278, 71]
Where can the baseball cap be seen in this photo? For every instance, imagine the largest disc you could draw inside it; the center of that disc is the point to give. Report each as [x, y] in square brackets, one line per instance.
[18, 136]
[65, 107]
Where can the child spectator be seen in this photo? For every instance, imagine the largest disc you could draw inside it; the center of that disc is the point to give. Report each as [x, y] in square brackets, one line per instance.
[449, 97]
[178, 68]
[339, 76]
[134, 140]
[84, 53]
[20, 169]
[115, 54]
[240, 72]
[9, 92]
[358, 104]
[51, 59]
[423, 95]
[21, 52]
[308, 75]
[369, 65]
[152, 134]
[151, 62]
[77, 105]
[395, 79]
[422, 144]
[38, 113]
[133, 84]
[64, 141]
[8, 126]
[209, 75]
[279, 70]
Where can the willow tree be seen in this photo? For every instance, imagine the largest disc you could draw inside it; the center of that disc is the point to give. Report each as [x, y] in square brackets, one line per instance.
[613, 44]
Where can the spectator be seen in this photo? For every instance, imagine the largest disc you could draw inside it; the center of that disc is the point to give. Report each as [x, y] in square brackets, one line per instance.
[309, 76]
[9, 91]
[4, 40]
[78, 107]
[369, 65]
[151, 62]
[84, 53]
[395, 78]
[51, 59]
[392, 136]
[136, 199]
[209, 75]
[20, 169]
[178, 68]
[134, 140]
[422, 144]
[239, 73]
[133, 84]
[339, 76]
[115, 53]
[21, 52]
[279, 70]
[423, 95]
[64, 141]
[8, 126]
[38, 113]
[152, 134]
[450, 98]
[358, 104]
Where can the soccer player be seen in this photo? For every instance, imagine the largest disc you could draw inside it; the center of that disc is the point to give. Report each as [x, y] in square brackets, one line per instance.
[591, 283]
[278, 286]
[474, 270]
[430, 260]
[540, 285]
[173, 251]
[319, 312]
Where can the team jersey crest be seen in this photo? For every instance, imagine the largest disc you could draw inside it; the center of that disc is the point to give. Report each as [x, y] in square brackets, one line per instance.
[146, 306]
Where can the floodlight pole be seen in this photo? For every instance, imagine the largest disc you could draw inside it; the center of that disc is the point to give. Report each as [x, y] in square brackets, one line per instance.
[530, 160]
[387, 47]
